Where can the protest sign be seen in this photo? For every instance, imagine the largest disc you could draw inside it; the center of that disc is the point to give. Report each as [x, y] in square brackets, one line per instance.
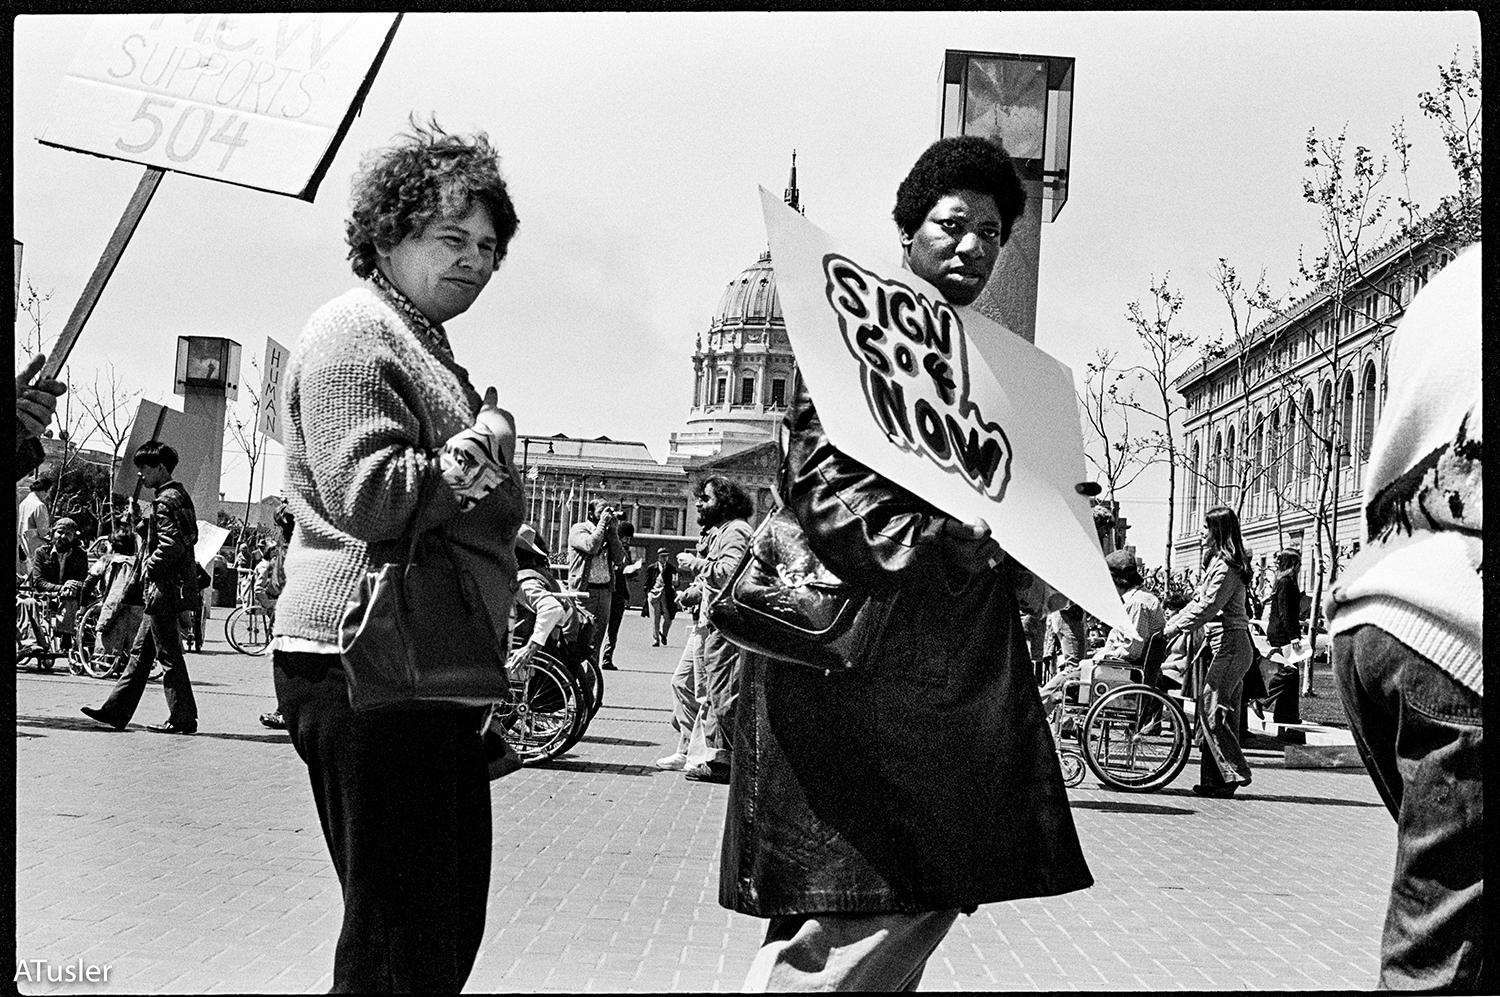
[260, 100]
[210, 539]
[944, 402]
[152, 422]
[268, 415]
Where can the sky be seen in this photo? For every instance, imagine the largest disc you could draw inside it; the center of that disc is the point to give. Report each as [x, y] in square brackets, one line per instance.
[633, 144]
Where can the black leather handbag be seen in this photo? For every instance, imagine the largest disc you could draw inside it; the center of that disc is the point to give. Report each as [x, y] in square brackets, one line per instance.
[783, 602]
[416, 631]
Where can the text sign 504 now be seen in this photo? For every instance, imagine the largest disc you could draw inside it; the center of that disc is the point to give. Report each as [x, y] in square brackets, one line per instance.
[259, 100]
[944, 402]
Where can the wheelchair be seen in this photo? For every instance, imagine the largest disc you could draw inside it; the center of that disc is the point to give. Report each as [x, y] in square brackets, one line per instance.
[549, 711]
[39, 642]
[1114, 720]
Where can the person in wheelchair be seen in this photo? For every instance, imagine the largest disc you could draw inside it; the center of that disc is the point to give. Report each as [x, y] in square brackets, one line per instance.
[60, 567]
[541, 618]
[117, 576]
[1123, 649]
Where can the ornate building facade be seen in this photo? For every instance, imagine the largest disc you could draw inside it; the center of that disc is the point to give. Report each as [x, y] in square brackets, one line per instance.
[743, 372]
[1316, 372]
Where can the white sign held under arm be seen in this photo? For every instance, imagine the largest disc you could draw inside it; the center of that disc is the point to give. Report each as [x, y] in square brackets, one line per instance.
[944, 402]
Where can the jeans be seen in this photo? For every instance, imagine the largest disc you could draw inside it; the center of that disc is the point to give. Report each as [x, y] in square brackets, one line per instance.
[1218, 706]
[874, 952]
[612, 630]
[685, 689]
[719, 694]
[157, 637]
[1421, 736]
[661, 619]
[598, 601]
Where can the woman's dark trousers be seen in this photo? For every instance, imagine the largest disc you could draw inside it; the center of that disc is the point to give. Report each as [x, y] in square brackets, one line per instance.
[404, 800]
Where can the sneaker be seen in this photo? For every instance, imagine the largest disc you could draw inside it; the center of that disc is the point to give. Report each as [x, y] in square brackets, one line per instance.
[672, 763]
[274, 720]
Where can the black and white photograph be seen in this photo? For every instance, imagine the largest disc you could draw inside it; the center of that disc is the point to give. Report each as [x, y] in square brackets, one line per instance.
[644, 501]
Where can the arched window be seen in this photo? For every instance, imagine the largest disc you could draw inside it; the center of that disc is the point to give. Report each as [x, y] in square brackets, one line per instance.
[1257, 457]
[1274, 449]
[1367, 407]
[1195, 482]
[1325, 415]
[1216, 470]
[1229, 482]
[1346, 420]
[1306, 423]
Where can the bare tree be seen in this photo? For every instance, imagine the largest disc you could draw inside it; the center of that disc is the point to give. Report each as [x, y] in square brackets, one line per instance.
[112, 412]
[251, 442]
[1118, 455]
[1165, 348]
[33, 305]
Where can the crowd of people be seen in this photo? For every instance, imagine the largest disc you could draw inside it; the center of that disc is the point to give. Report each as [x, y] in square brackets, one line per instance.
[866, 810]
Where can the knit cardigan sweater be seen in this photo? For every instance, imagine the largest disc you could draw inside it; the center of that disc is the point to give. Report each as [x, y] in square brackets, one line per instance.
[368, 408]
[1420, 577]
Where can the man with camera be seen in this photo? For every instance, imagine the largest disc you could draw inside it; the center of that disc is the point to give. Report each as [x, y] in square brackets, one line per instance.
[594, 549]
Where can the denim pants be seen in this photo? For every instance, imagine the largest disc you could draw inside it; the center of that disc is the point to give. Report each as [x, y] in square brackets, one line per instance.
[158, 637]
[686, 691]
[1421, 735]
[875, 952]
[1218, 706]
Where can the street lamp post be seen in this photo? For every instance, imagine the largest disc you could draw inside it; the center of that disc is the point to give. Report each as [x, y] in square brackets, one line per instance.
[1025, 101]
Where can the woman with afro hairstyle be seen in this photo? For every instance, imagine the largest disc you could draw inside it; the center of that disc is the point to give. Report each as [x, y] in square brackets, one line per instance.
[385, 434]
[868, 808]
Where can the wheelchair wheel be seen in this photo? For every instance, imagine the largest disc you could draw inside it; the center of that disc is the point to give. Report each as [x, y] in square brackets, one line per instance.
[1135, 739]
[1072, 767]
[87, 656]
[542, 712]
[248, 629]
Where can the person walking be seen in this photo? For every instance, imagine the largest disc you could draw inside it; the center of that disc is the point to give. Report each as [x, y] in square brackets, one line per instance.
[385, 435]
[594, 549]
[1219, 606]
[868, 809]
[1407, 619]
[661, 597]
[170, 576]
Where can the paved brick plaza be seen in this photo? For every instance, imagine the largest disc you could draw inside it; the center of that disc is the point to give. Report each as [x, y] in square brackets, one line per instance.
[195, 864]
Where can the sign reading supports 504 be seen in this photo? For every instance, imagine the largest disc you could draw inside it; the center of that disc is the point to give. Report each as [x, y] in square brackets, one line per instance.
[914, 370]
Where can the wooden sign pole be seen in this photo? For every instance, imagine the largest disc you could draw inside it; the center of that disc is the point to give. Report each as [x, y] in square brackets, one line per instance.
[95, 287]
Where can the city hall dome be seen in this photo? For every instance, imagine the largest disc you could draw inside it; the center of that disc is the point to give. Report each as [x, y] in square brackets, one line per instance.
[750, 298]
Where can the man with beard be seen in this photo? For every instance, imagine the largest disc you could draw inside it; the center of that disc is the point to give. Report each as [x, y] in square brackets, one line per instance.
[869, 808]
[61, 566]
[724, 511]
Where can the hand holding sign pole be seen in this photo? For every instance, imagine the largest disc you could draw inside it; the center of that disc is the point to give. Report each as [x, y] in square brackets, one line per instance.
[944, 402]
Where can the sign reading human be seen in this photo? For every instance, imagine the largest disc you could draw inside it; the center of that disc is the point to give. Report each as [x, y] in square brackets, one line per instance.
[943, 401]
[269, 407]
[260, 100]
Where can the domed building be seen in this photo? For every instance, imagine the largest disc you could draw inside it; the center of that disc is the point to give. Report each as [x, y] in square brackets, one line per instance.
[743, 366]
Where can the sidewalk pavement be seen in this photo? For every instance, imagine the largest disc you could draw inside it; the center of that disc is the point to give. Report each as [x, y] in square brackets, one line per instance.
[196, 864]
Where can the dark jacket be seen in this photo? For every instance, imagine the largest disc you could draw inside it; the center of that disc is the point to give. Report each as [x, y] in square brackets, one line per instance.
[1283, 626]
[669, 580]
[50, 566]
[926, 778]
[169, 565]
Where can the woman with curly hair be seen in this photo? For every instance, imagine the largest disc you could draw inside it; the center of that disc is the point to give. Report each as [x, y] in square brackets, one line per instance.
[1220, 604]
[386, 435]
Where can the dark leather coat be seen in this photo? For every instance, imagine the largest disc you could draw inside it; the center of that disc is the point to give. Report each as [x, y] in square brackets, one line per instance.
[925, 779]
